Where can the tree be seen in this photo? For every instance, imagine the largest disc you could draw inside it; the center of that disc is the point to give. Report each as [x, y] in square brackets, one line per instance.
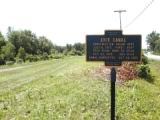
[14, 38]
[2, 61]
[2, 41]
[59, 49]
[10, 29]
[69, 47]
[45, 46]
[8, 51]
[21, 54]
[152, 39]
[157, 47]
[25, 39]
[80, 48]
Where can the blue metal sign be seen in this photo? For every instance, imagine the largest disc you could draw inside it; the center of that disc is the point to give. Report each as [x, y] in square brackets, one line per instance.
[113, 47]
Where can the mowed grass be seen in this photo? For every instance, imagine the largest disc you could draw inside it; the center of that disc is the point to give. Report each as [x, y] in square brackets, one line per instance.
[51, 90]
[67, 89]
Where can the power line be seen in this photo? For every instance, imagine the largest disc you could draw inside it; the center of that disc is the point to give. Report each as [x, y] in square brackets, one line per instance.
[146, 7]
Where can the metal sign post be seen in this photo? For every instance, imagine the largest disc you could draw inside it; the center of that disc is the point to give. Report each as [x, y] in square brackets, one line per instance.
[113, 80]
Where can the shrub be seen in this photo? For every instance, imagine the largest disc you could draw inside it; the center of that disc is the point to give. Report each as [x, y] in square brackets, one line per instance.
[21, 54]
[35, 58]
[2, 61]
[144, 71]
[29, 57]
[145, 60]
[79, 53]
[45, 56]
[58, 56]
[75, 52]
[19, 61]
[10, 62]
[50, 57]
[32, 58]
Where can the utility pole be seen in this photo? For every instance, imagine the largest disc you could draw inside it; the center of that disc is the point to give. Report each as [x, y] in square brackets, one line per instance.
[120, 11]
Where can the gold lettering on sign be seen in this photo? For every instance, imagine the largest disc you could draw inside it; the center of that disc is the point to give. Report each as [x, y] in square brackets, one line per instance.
[119, 40]
[105, 40]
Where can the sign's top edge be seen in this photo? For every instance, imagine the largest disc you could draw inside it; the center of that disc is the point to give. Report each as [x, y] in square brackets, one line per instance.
[119, 33]
[113, 30]
[116, 35]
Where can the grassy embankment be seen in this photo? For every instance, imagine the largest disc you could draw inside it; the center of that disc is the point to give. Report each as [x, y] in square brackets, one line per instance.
[67, 89]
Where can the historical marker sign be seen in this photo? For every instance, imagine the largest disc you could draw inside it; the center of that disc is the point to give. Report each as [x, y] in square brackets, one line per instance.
[113, 48]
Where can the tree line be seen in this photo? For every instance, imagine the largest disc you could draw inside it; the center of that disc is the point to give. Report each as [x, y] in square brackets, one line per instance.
[24, 45]
[153, 41]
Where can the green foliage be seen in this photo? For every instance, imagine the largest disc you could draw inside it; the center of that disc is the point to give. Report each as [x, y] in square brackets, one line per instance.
[45, 56]
[157, 47]
[69, 47]
[45, 45]
[153, 40]
[79, 47]
[10, 62]
[25, 39]
[58, 56]
[76, 49]
[75, 52]
[32, 58]
[2, 60]
[79, 53]
[24, 42]
[145, 72]
[9, 51]
[145, 59]
[19, 61]
[59, 49]
[21, 54]
[2, 41]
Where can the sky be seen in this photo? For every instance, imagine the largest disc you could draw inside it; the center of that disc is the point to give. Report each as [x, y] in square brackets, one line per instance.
[69, 21]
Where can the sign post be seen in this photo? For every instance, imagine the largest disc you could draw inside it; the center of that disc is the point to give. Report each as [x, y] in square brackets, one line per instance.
[113, 48]
[113, 80]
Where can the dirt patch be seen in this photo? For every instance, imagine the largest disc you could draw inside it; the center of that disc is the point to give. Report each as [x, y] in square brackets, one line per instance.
[101, 72]
[128, 71]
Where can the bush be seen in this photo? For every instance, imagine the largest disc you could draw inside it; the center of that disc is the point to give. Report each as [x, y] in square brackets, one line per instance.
[58, 56]
[2, 61]
[32, 58]
[10, 62]
[75, 52]
[144, 71]
[35, 58]
[50, 56]
[45, 56]
[29, 57]
[21, 54]
[79, 53]
[19, 61]
[145, 60]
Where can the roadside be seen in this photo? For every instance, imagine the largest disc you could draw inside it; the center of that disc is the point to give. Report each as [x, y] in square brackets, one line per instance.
[151, 56]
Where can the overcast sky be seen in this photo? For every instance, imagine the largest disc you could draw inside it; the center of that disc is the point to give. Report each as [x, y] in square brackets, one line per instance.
[69, 21]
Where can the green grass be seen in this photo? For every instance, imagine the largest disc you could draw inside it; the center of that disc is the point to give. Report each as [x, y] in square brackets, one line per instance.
[139, 99]
[66, 89]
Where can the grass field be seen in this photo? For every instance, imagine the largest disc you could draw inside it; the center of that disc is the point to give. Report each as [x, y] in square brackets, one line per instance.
[66, 89]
